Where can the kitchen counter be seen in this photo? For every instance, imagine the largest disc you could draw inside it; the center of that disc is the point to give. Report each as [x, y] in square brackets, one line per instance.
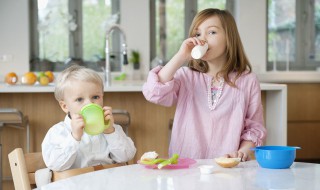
[290, 77]
[275, 108]
[147, 119]
[117, 86]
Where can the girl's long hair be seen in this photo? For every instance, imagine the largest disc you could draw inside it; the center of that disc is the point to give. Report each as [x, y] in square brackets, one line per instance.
[236, 59]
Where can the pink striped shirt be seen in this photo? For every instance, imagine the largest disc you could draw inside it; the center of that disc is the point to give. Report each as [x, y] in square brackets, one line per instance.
[199, 132]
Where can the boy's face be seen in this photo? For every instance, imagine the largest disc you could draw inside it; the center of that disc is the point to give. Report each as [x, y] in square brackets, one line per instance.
[80, 94]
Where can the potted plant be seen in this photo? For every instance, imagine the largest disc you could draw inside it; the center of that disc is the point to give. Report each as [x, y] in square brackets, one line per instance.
[135, 59]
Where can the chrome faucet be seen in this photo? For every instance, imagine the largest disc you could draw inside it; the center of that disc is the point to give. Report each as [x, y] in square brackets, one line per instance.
[123, 50]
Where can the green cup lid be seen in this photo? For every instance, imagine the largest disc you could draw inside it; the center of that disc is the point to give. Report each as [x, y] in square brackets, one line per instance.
[93, 118]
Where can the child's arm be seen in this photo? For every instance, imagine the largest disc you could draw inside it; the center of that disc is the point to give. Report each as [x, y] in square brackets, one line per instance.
[163, 83]
[182, 56]
[59, 148]
[121, 147]
[244, 151]
[254, 133]
[77, 125]
[108, 119]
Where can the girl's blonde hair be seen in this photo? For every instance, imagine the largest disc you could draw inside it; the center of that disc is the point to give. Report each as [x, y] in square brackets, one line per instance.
[236, 59]
[78, 73]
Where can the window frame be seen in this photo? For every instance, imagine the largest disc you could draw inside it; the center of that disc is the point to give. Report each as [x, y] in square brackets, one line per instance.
[190, 10]
[302, 28]
[75, 38]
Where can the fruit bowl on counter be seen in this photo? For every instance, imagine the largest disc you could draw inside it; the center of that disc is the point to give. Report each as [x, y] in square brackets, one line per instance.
[126, 85]
[30, 78]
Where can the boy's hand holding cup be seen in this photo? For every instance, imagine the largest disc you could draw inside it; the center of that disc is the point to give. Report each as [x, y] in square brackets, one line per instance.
[77, 125]
[93, 116]
[108, 118]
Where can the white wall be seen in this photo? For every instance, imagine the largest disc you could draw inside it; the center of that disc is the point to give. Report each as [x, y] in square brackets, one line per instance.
[251, 18]
[14, 32]
[14, 36]
[135, 20]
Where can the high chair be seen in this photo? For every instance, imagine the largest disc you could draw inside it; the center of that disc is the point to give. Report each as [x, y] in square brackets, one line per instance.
[23, 168]
[122, 117]
[11, 117]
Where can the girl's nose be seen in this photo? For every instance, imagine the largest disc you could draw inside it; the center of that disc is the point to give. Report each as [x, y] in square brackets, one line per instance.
[203, 41]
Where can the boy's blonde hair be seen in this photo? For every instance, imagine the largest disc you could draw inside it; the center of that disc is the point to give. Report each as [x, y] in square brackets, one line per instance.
[78, 73]
[237, 60]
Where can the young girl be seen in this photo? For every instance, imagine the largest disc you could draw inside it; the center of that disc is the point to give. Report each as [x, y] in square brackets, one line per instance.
[217, 98]
[66, 145]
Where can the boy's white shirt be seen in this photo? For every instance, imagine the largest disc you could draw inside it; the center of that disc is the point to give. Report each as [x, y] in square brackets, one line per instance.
[43, 177]
[61, 151]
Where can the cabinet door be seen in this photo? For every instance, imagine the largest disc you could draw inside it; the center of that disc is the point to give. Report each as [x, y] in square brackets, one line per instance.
[307, 136]
[303, 102]
[304, 120]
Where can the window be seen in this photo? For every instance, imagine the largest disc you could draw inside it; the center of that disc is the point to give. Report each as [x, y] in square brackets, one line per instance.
[293, 35]
[203, 4]
[70, 31]
[170, 22]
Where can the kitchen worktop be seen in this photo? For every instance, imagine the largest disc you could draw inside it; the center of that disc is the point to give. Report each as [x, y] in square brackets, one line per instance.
[117, 86]
[275, 109]
[290, 77]
[147, 119]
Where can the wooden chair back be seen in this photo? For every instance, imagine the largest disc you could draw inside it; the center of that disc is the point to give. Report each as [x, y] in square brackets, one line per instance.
[23, 168]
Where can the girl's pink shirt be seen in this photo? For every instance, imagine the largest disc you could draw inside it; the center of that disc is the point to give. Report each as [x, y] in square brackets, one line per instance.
[201, 133]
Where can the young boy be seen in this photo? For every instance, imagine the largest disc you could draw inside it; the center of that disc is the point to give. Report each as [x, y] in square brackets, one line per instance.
[66, 145]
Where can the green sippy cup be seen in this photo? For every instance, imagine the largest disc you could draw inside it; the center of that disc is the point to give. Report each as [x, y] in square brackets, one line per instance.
[94, 119]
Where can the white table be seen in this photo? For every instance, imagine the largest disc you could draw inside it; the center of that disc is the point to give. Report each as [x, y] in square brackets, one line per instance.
[246, 176]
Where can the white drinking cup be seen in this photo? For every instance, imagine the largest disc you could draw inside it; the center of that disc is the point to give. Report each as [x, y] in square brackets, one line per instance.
[199, 50]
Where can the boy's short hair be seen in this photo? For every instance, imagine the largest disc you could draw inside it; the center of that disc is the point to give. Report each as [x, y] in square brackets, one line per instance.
[78, 73]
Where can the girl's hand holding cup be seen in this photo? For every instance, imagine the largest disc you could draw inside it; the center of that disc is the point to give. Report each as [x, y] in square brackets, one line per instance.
[193, 48]
[199, 50]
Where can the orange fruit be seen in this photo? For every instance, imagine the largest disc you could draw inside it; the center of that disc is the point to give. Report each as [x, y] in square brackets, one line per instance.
[11, 78]
[50, 75]
[29, 78]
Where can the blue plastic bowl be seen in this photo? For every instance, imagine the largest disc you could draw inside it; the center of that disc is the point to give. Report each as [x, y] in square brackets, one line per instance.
[275, 157]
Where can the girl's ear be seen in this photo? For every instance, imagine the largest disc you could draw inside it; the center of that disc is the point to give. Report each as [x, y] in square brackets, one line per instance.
[63, 106]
